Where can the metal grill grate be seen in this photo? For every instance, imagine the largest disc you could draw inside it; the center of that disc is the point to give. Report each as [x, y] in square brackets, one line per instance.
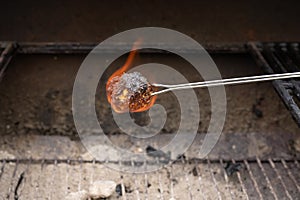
[7, 50]
[184, 179]
[280, 58]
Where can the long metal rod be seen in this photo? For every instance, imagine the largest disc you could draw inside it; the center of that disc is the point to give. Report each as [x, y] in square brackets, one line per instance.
[280, 179]
[241, 182]
[229, 81]
[253, 180]
[226, 179]
[202, 191]
[161, 191]
[292, 177]
[187, 179]
[266, 178]
[213, 179]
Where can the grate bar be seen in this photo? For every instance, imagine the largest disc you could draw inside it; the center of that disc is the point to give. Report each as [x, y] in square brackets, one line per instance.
[170, 171]
[122, 183]
[6, 57]
[280, 179]
[297, 163]
[2, 168]
[92, 172]
[52, 179]
[161, 191]
[80, 174]
[12, 180]
[135, 183]
[286, 58]
[214, 179]
[226, 178]
[282, 64]
[20, 186]
[241, 182]
[146, 181]
[123, 189]
[67, 177]
[146, 186]
[187, 179]
[253, 179]
[290, 174]
[293, 50]
[37, 187]
[266, 178]
[200, 181]
[277, 67]
[136, 188]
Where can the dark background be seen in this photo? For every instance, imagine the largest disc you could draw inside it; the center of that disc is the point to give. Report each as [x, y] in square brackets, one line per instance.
[206, 21]
[36, 90]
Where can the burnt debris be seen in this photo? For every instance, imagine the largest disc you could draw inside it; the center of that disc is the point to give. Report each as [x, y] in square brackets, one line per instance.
[119, 190]
[232, 168]
[156, 153]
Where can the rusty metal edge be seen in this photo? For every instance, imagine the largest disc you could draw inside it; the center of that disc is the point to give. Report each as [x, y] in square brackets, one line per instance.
[6, 56]
[154, 162]
[84, 48]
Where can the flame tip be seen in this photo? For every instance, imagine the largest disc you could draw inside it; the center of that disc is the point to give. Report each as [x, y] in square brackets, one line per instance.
[147, 100]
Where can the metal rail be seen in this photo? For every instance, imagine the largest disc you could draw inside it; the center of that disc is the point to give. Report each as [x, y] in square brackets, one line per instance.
[84, 48]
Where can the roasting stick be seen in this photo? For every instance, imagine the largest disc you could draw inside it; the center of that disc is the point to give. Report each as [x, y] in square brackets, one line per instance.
[229, 81]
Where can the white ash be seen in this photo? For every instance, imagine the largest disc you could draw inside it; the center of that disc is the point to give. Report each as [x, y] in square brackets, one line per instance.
[101, 189]
[80, 195]
[6, 155]
[133, 82]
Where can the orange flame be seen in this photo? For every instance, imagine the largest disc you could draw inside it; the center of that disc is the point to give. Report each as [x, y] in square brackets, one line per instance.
[119, 73]
[124, 68]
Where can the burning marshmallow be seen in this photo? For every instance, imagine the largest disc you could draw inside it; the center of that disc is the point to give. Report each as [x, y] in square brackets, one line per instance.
[130, 92]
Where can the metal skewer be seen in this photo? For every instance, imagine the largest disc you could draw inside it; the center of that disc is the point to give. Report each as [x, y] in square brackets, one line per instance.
[229, 81]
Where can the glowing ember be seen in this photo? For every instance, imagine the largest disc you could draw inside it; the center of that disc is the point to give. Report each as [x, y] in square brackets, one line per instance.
[130, 92]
